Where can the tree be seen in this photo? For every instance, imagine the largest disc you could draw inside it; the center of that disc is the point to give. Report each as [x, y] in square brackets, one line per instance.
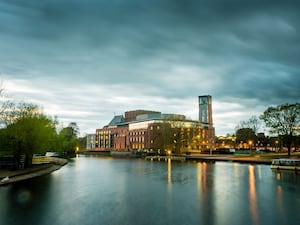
[82, 142]
[28, 132]
[163, 139]
[253, 122]
[5, 105]
[245, 135]
[68, 138]
[283, 120]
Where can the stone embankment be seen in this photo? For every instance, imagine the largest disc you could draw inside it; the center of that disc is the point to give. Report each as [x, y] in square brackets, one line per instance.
[11, 176]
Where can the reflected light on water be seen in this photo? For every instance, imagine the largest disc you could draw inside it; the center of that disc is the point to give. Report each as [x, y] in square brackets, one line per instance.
[201, 177]
[278, 176]
[252, 195]
[280, 200]
[169, 173]
[125, 191]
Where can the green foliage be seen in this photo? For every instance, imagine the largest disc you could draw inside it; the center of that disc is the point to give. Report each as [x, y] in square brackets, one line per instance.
[67, 139]
[29, 133]
[26, 130]
[82, 142]
[245, 135]
[283, 120]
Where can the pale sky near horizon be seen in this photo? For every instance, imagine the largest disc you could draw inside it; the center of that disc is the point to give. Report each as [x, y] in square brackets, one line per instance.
[86, 61]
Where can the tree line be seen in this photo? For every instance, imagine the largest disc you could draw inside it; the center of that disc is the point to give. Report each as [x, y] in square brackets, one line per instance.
[26, 130]
[283, 122]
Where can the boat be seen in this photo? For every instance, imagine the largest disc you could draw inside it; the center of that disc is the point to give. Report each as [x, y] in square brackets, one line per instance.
[286, 164]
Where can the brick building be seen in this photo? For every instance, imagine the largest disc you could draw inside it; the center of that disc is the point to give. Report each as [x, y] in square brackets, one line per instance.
[157, 132]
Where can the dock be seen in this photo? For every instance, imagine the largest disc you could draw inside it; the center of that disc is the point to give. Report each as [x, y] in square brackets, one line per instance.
[165, 158]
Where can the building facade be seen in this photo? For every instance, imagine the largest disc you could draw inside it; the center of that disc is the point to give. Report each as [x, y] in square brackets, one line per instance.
[156, 132]
[206, 120]
[90, 141]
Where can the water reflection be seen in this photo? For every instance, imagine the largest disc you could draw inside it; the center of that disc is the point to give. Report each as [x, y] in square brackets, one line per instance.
[92, 191]
[252, 194]
[202, 177]
[280, 201]
[169, 173]
[287, 176]
[205, 176]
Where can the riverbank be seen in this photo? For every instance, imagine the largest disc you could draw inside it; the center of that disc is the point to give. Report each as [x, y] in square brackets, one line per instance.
[255, 158]
[12, 176]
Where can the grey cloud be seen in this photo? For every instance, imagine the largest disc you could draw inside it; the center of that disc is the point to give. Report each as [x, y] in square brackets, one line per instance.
[172, 49]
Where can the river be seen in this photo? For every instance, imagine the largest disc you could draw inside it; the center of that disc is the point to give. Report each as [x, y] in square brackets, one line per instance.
[103, 190]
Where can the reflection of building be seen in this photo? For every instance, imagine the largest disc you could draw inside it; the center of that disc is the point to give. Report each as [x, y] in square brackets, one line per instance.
[157, 132]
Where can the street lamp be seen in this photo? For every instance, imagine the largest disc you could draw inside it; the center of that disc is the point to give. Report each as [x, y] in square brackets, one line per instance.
[169, 152]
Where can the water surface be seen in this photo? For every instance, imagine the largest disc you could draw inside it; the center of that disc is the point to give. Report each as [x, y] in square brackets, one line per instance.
[97, 190]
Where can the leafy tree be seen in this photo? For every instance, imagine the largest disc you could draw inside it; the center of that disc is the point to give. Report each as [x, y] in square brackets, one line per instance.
[283, 120]
[82, 142]
[245, 135]
[74, 128]
[163, 137]
[68, 138]
[28, 133]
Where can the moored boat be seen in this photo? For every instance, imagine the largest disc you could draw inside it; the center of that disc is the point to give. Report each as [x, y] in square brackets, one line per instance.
[286, 164]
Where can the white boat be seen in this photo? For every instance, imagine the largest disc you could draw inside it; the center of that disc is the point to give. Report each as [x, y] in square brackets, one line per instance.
[286, 164]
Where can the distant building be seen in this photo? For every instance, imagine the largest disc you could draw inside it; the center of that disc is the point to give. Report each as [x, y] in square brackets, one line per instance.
[157, 132]
[90, 141]
[205, 110]
[226, 142]
[206, 119]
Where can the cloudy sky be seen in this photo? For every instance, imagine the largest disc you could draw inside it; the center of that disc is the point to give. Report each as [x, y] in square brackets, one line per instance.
[85, 61]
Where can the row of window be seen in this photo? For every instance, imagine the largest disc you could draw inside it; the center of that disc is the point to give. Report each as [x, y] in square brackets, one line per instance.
[136, 139]
[137, 133]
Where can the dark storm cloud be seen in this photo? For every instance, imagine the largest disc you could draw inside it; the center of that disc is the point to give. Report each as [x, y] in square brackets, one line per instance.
[237, 51]
[147, 28]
